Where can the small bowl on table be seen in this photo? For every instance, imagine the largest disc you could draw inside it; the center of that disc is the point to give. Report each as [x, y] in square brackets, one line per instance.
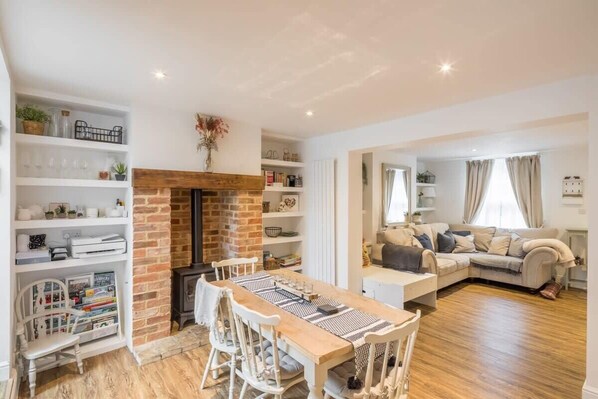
[273, 232]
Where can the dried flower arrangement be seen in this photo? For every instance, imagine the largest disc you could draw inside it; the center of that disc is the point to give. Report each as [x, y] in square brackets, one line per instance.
[210, 129]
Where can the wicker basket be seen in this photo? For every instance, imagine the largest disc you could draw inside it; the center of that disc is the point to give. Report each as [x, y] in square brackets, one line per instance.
[35, 128]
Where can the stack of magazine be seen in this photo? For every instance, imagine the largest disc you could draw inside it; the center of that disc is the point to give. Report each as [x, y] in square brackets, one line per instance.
[97, 299]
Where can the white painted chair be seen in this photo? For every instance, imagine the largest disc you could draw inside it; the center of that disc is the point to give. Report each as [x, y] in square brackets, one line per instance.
[45, 326]
[381, 380]
[234, 267]
[223, 338]
[264, 367]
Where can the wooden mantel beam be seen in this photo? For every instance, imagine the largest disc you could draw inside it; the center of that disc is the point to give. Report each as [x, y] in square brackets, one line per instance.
[159, 178]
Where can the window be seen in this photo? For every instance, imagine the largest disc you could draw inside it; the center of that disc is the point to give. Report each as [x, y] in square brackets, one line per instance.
[399, 200]
[500, 208]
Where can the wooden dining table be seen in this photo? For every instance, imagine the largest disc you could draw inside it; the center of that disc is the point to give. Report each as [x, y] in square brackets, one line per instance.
[315, 348]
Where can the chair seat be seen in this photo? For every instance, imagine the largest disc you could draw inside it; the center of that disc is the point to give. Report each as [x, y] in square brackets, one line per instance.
[336, 384]
[48, 345]
[289, 367]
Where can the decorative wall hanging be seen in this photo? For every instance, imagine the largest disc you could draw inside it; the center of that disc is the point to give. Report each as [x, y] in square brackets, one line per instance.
[572, 190]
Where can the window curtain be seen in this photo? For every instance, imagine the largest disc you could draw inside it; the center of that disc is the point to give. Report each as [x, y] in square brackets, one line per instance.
[390, 182]
[526, 180]
[478, 179]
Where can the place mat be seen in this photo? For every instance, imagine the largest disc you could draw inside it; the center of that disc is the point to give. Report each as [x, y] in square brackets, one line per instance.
[349, 323]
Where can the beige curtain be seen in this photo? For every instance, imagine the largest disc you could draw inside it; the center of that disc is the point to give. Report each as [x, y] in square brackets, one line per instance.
[478, 179]
[526, 180]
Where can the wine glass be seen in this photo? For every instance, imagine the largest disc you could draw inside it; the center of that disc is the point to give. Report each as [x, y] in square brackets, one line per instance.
[38, 163]
[26, 162]
[51, 166]
[64, 167]
[75, 168]
[84, 166]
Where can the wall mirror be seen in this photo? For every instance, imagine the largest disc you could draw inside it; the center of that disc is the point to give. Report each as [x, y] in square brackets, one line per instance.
[396, 194]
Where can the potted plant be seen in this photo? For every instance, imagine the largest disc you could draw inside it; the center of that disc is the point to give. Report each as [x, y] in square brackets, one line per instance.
[209, 128]
[72, 214]
[49, 215]
[34, 119]
[120, 171]
[420, 178]
[60, 211]
[417, 217]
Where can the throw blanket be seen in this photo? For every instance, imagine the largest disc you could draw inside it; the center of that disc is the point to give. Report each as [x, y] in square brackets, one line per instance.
[566, 257]
[207, 299]
[402, 258]
[499, 263]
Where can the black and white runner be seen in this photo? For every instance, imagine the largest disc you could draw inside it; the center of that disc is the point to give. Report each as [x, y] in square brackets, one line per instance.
[349, 323]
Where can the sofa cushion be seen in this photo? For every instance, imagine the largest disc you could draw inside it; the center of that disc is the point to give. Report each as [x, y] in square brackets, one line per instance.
[461, 260]
[498, 262]
[421, 229]
[516, 246]
[445, 266]
[462, 233]
[425, 242]
[463, 244]
[482, 234]
[536, 233]
[499, 245]
[446, 242]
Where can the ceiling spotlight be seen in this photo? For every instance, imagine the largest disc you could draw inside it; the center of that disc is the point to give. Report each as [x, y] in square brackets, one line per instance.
[446, 68]
[159, 75]
[474, 150]
[309, 113]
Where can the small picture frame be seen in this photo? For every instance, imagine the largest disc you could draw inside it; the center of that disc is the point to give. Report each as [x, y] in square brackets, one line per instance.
[75, 284]
[290, 202]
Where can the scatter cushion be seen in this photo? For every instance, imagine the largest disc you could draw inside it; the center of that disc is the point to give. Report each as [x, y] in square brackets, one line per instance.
[426, 229]
[289, 367]
[482, 234]
[464, 244]
[425, 242]
[499, 245]
[462, 233]
[37, 241]
[446, 242]
[516, 246]
[399, 237]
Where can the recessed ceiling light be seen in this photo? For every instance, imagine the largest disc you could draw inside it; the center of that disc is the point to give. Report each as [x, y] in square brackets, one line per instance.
[446, 68]
[309, 113]
[159, 75]
[474, 150]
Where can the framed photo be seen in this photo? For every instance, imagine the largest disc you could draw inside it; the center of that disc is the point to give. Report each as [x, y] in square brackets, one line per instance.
[76, 284]
[289, 203]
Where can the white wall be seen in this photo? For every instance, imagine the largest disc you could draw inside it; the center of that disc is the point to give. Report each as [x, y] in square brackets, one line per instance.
[162, 138]
[450, 191]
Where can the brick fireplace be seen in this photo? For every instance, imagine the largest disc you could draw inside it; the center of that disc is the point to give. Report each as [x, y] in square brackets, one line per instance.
[232, 227]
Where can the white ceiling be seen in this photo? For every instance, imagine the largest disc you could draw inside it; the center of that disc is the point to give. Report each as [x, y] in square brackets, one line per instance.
[571, 133]
[352, 62]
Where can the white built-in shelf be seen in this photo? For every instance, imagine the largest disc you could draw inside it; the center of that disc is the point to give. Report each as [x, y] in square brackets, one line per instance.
[71, 102]
[284, 189]
[282, 164]
[281, 240]
[58, 223]
[70, 263]
[46, 141]
[424, 209]
[277, 215]
[425, 185]
[51, 182]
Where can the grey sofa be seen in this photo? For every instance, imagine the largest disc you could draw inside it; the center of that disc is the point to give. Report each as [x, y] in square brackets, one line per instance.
[536, 266]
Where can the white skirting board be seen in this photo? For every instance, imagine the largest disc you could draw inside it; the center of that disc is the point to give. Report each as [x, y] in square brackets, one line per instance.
[589, 392]
[322, 232]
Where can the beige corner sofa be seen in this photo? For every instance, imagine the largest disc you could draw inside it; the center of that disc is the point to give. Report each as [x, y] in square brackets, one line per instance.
[536, 266]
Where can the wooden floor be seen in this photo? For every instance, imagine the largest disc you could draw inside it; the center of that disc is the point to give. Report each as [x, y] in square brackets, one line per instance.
[482, 342]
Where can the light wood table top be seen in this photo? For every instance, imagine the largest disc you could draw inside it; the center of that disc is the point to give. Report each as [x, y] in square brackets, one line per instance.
[313, 342]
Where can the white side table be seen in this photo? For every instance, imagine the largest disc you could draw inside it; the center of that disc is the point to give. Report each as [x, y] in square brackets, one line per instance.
[395, 288]
[581, 249]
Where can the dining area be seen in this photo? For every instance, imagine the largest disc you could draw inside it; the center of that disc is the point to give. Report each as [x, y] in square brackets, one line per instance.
[272, 330]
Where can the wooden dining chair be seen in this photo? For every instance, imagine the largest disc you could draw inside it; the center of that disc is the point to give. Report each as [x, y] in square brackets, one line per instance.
[263, 366]
[223, 339]
[381, 379]
[234, 267]
[45, 326]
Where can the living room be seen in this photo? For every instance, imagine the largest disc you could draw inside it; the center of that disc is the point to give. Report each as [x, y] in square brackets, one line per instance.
[263, 139]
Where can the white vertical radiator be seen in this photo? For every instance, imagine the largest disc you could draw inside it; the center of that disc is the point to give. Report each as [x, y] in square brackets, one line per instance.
[323, 237]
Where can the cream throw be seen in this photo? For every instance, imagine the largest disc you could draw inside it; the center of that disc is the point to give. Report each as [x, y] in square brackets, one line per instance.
[207, 299]
[566, 257]
[478, 179]
[526, 180]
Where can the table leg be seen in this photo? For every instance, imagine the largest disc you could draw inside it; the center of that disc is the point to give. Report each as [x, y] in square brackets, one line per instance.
[315, 376]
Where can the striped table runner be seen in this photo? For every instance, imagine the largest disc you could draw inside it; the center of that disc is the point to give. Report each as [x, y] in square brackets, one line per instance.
[349, 323]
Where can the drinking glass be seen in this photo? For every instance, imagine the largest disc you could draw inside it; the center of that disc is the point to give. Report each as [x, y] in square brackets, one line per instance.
[75, 167]
[51, 166]
[38, 163]
[300, 285]
[26, 162]
[308, 288]
[84, 166]
[64, 167]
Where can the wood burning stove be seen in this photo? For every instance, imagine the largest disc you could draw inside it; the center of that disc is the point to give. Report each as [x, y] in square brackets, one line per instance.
[184, 279]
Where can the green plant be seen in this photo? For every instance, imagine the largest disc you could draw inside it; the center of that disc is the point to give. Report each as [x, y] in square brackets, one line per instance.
[48, 213]
[72, 212]
[119, 168]
[32, 113]
[60, 209]
[417, 213]
[420, 177]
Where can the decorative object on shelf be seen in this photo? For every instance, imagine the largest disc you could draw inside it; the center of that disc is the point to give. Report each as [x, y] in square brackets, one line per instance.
[34, 119]
[299, 181]
[271, 154]
[289, 234]
[209, 128]
[289, 203]
[428, 193]
[420, 199]
[294, 157]
[120, 171]
[429, 177]
[54, 126]
[407, 217]
[23, 214]
[90, 133]
[265, 206]
[420, 177]
[72, 214]
[417, 217]
[37, 241]
[572, 190]
[104, 175]
[291, 180]
[37, 212]
[22, 242]
[66, 130]
[49, 215]
[286, 155]
[91, 213]
[273, 232]
[60, 211]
